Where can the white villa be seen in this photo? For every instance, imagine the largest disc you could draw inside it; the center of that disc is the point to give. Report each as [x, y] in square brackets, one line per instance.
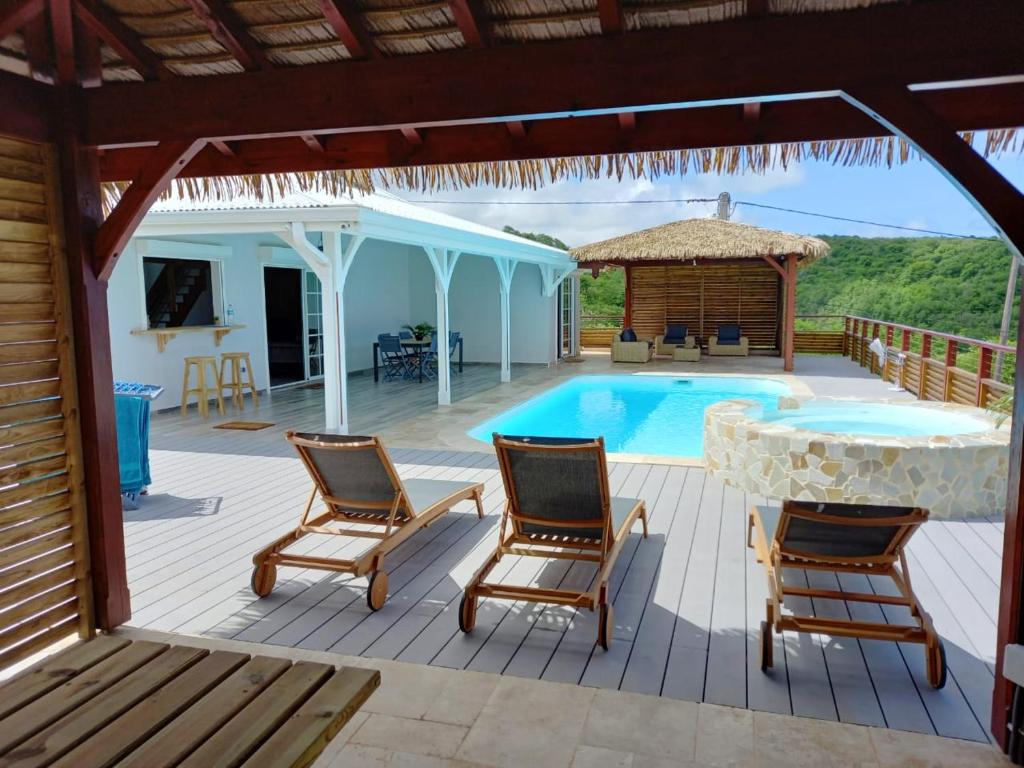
[264, 277]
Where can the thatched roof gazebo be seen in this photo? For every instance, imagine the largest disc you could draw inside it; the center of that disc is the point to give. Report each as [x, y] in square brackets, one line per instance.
[703, 272]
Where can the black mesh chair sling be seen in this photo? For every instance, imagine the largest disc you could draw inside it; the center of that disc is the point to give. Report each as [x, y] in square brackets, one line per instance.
[558, 506]
[842, 538]
[361, 490]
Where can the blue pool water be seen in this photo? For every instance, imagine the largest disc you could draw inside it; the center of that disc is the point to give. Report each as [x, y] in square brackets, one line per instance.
[875, 419]
[658, 415]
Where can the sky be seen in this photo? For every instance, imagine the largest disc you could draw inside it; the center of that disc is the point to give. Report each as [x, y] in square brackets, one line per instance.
[911, 195]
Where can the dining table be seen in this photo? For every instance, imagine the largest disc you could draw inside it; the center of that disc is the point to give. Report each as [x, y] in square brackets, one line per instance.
[413, 345]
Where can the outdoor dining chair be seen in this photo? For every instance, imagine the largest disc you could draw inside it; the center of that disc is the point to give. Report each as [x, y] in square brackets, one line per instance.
[430, 355]
[394, 359]
[558, 507]
[860, 539]
[361, 489]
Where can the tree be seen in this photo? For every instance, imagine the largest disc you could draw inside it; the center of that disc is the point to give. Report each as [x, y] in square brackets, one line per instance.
[538, 237]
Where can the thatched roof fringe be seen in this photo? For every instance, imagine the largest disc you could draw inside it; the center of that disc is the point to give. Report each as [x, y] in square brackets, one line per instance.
[532, 174]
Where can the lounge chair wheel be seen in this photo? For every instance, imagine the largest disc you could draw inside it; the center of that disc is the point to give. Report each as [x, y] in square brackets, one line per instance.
[377, 594]
[606, 626]
[467, 613]
[767, 651]
[935, 656]
[263, 578]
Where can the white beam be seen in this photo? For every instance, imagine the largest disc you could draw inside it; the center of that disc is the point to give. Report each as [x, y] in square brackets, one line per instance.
[443, 261]
[553, 276]
[506, 269]
[331, 266]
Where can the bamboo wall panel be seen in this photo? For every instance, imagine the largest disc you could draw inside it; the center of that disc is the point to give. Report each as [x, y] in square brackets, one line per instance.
[705, 295]
[44, 590]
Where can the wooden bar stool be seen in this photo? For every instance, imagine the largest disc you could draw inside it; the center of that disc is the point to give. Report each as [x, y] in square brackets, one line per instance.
[201, 390]
[235, 383]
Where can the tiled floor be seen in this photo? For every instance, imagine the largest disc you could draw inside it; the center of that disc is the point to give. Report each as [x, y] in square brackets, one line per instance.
[430, 717]
[688, 600]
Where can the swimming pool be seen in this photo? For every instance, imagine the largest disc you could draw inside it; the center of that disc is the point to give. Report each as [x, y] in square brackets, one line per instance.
[653, 415]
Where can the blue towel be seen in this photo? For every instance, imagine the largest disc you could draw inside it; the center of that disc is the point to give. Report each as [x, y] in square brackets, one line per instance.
[133, 442]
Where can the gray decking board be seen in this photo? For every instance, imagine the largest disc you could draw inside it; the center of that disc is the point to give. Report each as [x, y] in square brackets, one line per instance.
[689, 600]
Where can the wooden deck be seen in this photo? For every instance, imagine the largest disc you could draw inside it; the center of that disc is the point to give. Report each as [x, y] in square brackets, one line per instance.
[688, 600]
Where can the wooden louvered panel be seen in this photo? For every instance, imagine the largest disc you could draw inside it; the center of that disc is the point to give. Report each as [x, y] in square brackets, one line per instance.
[703, 296]
[43, 554]
[819, 342]
[963, 387]
[935, 384]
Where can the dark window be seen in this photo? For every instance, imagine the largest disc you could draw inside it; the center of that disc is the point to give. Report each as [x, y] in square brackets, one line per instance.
[179, 292]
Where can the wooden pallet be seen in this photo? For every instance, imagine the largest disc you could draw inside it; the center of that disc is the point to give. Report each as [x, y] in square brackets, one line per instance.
[137, 703]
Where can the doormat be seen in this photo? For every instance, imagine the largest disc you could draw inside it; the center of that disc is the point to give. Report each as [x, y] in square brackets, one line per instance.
[314, 385]
[246, 426]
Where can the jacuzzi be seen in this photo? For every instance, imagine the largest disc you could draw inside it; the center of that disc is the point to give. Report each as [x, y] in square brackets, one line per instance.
[950, 459]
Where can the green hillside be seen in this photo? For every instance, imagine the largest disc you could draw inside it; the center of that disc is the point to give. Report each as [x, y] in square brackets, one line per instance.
[944, 284]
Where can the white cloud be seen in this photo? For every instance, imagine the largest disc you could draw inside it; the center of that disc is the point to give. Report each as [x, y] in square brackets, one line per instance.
[581, 224]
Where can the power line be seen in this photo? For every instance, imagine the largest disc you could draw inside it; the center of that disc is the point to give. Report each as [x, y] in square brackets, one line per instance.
[689, 200]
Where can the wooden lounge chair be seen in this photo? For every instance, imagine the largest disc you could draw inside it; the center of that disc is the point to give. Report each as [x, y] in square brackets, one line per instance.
[361, 489]
[558, 506]
[842, 538]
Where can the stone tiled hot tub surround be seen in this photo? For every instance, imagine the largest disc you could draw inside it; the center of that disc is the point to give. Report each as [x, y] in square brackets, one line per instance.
[951, 475]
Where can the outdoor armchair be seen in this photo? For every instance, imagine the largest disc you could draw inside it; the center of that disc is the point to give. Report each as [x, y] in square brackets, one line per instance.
[636, 351]
[729, 342]
[675, 335]
[361, 489]
[558, 507]
[860, 539]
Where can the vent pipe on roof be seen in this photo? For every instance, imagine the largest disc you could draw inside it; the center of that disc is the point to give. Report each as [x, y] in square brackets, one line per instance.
[724, 206]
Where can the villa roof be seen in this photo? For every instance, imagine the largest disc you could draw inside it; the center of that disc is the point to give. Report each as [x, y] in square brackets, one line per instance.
[700, 239]
[378, 215]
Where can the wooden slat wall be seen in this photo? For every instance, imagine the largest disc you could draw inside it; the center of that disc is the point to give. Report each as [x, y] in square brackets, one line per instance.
[705, 295]
[596, 338]
[44, 589]
[819, 342]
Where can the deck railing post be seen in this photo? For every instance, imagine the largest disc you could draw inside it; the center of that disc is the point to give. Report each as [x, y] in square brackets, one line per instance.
[922, 370]
[846, 335]
[984, 372]
[947, 389]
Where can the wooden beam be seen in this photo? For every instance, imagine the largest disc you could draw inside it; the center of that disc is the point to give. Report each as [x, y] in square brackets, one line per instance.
[627, 121]
[757, 7]
[414, 137]
[314, 142]
[146, 187]
[609, 12]
[1001, 204]
[221, 146]
[227, 28]
[90, 56]
[348, 25]
[770, 260]
[26, 108]
[15, 14]
[38, 41]
[470, 17]
[751, 59]
[62, 23]
[122, 39]
[752, 111]
[80, 199]
[796, 121]
[789, 327]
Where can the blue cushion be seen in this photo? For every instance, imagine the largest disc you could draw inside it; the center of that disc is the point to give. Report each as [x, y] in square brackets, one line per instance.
[628, 335]
[728, 334]
[676, 332]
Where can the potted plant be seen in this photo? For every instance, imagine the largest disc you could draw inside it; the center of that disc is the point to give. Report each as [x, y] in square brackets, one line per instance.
[420, 331]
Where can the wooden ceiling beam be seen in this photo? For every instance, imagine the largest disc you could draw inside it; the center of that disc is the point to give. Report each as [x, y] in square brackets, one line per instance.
[471, 18]
[627, 121]
[312, 141]
[122, 38]
[414, 137]
[609, 12]
[28, 108]
[152, 178]
[90, 56]
[14, 14]
[786, 122]
[757, 7]
[746, 60]
[227, 28]
[62, 25]
[348, 25]
[38, 42]
[223, 147]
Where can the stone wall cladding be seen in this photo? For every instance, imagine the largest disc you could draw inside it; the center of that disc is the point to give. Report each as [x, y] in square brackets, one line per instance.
[953, 476]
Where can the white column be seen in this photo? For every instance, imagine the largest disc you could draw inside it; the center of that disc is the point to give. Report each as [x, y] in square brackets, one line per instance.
[506, 268]
[331, 266]
[443, 261]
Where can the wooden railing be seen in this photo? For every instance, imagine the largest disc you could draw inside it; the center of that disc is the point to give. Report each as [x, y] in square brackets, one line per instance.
[929, 368]
[596, 331]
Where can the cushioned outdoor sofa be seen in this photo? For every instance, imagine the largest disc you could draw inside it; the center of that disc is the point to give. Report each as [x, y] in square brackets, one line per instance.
[728, 342]
[676, 335]
[627, 348]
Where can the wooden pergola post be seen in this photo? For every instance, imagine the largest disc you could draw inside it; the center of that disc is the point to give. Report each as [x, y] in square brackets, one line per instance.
[789, 328]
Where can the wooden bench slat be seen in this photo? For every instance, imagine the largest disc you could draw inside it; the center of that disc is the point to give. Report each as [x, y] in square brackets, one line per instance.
[247, 730]
[55, 671]
[186, 732]
[78, 725]
[304, 736]
[117, 739]
[32, 718]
